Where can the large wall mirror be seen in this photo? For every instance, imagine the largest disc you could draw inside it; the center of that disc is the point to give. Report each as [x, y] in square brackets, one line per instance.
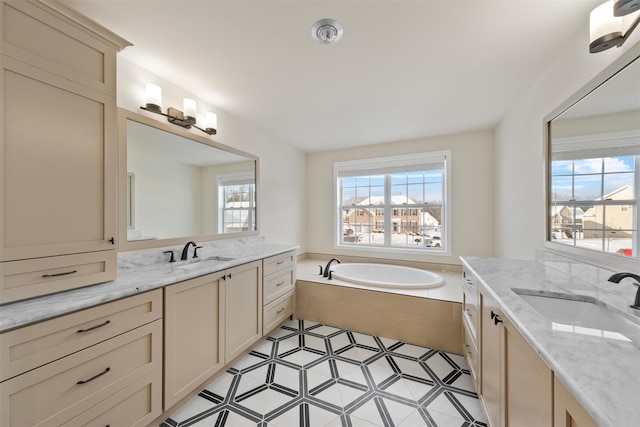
[176, 186]
[593, 168]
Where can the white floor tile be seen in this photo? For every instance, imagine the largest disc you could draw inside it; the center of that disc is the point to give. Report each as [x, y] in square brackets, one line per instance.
[268, 395]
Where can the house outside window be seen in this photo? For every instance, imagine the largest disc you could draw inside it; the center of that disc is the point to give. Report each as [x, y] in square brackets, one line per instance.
[594, 201]
[382, 189]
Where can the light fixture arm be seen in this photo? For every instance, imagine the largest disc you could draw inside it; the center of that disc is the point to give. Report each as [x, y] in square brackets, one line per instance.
[633, 26]
[177, 117]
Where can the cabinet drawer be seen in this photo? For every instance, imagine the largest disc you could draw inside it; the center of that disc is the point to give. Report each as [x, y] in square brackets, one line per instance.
[471, 315]
[277, 284]
[32, 346]
[278, 262]
[136, 405]
[31, 278]
[276, 312]
[471, 353]
[71, 385]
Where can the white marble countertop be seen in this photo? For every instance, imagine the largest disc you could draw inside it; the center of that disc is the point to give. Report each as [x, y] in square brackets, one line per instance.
[137, 272]
[603, 374]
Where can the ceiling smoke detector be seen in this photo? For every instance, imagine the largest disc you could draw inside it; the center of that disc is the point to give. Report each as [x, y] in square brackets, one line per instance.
[326, 31]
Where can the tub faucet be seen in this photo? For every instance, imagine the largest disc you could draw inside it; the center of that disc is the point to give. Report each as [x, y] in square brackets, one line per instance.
[326, 269]
[616, 278]
[185, 250]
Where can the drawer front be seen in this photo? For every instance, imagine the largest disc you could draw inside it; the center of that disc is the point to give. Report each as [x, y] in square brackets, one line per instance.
[471, 315]
[70, 386]
[471, 354]
[277, 284]
[278, 263]
[135, 405]
[31, 278]
[276, 312]
[32, 346]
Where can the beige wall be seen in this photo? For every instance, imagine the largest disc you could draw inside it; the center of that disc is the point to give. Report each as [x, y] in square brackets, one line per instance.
[471, 204]
[519, 155]
[281, 174]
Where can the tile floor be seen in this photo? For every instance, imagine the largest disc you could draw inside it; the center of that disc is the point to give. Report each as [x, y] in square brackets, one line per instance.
[309, 374]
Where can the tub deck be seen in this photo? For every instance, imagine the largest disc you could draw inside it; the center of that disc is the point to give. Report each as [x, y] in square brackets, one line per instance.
[425, 317]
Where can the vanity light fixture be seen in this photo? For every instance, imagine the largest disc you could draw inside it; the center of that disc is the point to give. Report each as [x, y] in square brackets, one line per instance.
[186, 119]
[611, 23]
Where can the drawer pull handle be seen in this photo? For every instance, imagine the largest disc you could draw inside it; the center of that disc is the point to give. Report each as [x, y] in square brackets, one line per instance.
[280, 284]
[280, 311]
[280, 262]
[66, 273]
[94, 327]
[94, 377]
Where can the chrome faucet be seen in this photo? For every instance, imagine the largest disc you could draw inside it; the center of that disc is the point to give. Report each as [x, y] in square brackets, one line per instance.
[185, 250]
[326, 269]
[616, 278]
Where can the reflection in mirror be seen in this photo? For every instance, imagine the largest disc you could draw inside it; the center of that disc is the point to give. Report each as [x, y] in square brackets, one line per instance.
[594, 180]
[179, 187]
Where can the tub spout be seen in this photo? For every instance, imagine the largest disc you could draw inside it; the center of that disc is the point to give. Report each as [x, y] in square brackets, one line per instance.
[326, 269]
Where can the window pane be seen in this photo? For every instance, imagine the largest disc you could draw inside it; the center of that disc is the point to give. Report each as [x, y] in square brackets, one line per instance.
[348, 196]
[619, 164]
[587, 166]
[587, 187]
[434, 193]
[561, 188]
[619, 186]
[562, 167]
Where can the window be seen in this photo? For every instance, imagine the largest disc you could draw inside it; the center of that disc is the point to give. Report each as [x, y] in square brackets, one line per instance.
[407, 194]
[594, 201]
[237, 201]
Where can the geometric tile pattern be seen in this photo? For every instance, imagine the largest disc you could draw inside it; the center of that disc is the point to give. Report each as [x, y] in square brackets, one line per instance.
[310, 374]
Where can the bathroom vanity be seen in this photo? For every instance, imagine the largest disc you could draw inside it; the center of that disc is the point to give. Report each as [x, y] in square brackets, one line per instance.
[122, 352]
[546, 366]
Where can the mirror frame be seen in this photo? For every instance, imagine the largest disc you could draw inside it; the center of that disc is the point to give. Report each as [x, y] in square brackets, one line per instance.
[124, 244]
[601, 259]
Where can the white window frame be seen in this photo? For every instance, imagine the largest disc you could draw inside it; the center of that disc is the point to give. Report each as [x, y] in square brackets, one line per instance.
[236, 178]
[402, 160]
[625, 141]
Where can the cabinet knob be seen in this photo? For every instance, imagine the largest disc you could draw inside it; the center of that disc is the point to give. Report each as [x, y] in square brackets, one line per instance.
[112, 240]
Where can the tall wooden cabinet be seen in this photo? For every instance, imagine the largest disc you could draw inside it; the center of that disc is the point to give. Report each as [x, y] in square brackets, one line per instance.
[58, 150]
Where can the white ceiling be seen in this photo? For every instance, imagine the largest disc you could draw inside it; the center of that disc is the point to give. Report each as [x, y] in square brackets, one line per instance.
[402, 70]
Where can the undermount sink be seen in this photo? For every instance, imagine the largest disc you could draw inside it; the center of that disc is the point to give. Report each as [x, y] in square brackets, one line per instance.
[205, 263]
[580, 315]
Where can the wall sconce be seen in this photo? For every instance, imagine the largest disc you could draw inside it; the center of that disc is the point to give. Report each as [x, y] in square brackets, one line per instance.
[186, 119]
[611, 23]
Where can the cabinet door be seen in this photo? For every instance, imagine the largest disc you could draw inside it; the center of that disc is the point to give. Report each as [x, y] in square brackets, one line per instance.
[567, 412]
[59, 165]
[528, 382]
[244, 308]
[491, 359]
[194, 317]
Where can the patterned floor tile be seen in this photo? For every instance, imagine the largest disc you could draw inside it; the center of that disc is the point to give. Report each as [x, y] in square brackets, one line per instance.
[309, 374]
